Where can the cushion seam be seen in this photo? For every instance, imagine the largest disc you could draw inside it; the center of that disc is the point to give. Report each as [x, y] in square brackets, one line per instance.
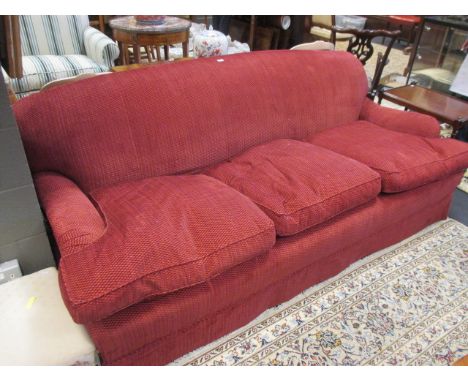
[415, 167]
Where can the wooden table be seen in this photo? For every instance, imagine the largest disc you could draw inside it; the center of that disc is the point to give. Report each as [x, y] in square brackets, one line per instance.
[127, 31]
[445, 108]
[125, 68]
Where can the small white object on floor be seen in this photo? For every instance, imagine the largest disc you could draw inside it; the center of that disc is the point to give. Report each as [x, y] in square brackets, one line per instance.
[35, 326]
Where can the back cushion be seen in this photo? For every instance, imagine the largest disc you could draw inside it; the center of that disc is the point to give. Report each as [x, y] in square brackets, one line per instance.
[180, 117]
[52, 34]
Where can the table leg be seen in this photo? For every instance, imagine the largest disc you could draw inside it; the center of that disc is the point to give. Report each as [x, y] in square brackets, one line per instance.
[158, 52]
[126, 55]
[185, 48]
[414, 52]
[148, 50]
[445, 47]
[122, 53]
[136, 53]
[166, 52]
[253, 24]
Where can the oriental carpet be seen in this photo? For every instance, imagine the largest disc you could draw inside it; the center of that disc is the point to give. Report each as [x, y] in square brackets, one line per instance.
[404, 305]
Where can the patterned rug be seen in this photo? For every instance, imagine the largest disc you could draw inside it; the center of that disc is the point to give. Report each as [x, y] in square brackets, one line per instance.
[405, 305]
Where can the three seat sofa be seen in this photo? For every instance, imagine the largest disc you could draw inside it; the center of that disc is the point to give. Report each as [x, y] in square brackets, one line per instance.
[186, 199]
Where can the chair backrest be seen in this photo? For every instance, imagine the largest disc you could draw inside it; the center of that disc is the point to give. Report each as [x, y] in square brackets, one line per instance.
[323, 21]
[55, 35]
[316, 45]
[361, 46]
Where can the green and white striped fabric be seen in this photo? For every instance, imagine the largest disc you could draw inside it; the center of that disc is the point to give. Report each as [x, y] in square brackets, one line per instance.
[39, 70]
[56, 47]
[57, 35]
[100, 48]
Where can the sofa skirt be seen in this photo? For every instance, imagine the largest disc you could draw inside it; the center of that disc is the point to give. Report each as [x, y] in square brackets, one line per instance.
[158, 331]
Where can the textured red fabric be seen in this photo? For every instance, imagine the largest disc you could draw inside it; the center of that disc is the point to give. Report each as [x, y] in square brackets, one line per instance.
[148, 333]
[405, 19]
[402, 121]
[297, 184]
[165, 286]
[404, 161]
[162, 234]
[74, 220]
[169, 119]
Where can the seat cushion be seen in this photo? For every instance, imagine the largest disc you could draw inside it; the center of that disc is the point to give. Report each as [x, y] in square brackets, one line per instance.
[163, 234]
[404, 161]
[324, 33]
[297, 184]
[39, 70]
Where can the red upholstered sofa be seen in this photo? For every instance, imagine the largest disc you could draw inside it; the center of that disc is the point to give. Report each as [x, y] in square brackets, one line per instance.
[186, 199]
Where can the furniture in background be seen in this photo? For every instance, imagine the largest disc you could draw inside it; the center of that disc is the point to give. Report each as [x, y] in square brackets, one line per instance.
[10, 45]
[360, 45]
[124, 68]
[181, 196]
[316, 45]
[438, 52]
[56, 47]
[411, 22]
[128, 32]
[261, 32]
[408, 25]
[321, 27]
[36, 328]
[98, 22]
[445, 108]
[11, 93]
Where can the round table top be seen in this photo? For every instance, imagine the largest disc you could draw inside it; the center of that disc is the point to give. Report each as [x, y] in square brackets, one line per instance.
[171, 25]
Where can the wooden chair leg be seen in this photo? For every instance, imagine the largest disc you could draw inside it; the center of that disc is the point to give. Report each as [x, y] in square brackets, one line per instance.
[158, 52]
[102, 24]
[11, 93]
[148, 50]
[126, 54]
[166, 52]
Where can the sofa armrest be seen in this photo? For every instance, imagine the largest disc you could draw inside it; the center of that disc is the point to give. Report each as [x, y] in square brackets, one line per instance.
[100, 48]
[398, 120]
[74, 220]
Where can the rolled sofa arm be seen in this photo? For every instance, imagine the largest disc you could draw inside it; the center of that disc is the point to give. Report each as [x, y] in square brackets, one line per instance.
[398, 120]
[74, 220]
[100, 48]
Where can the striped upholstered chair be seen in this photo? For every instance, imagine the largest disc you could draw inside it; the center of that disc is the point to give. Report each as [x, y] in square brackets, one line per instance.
[55, 47]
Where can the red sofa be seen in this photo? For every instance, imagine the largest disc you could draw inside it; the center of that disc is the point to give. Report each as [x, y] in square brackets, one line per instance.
[186, 199]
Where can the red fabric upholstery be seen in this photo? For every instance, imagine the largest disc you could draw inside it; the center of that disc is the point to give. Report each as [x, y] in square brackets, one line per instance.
[403, 161]
[148, 334]
[156, 263]
[162, 234]
[298, 185]
[405, 19]
[169, 119]
[402, 121]
[75, 221]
